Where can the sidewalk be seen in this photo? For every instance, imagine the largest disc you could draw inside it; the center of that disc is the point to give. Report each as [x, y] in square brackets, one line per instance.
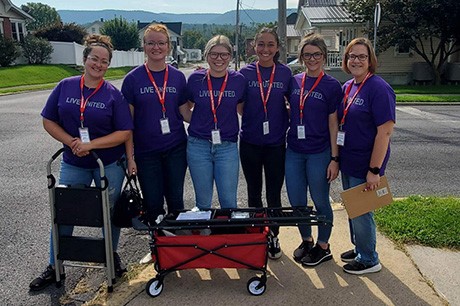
[399, 282]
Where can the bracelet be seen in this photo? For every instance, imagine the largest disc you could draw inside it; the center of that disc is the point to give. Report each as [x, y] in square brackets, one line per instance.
[335, 158]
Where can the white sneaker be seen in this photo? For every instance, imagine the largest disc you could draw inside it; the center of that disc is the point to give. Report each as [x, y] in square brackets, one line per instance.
[146, 259]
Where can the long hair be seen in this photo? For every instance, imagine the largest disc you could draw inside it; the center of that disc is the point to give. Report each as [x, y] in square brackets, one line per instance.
[273, 32]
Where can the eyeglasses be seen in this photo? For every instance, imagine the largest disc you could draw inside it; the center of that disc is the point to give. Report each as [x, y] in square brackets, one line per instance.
[96, 60]
[224, 55]
[316, 55]
[360, 57]
[160, 44]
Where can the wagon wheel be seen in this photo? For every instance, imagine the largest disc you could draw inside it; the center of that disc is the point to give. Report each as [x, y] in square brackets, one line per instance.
[154, 287]
[256, 286]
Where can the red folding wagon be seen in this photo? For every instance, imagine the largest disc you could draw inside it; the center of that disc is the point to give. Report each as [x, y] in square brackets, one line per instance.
[220, 238]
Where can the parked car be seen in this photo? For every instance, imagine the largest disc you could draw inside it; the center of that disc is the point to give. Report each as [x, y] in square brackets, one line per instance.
[295, 66]
[172, 61]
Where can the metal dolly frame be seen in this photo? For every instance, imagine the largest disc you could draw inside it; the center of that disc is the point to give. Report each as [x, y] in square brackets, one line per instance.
[83, 206]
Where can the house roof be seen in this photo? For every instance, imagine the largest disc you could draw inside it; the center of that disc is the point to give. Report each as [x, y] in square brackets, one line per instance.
[9, 5]
[175, 27]
[331, 14]
[291, 31]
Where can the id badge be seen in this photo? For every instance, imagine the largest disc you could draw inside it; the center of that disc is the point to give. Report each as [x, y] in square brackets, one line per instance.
[215, 135]
[341, 138]
[164, 123]
[301, 132]
[266, 127]
[84, 135]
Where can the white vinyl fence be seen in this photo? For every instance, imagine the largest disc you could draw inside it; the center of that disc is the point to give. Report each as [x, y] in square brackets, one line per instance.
[71, 53]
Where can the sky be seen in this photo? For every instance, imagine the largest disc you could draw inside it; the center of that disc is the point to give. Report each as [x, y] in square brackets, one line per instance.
[161, 6]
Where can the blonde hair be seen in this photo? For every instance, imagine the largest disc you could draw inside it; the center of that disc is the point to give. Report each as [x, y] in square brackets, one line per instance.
[372, 57]
[97, 40]
[218, 40]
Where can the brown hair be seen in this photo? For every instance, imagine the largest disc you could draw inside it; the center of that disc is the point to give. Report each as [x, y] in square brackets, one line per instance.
[96, 40]
[370, 50]
[277, 39]
[312, 39]
[161, 28]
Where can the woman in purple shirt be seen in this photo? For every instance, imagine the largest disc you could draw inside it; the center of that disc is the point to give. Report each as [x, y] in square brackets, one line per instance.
[212, 151]
[312, 161]
[157, 152]
[264, 123]
[86, 113]
[367, 116]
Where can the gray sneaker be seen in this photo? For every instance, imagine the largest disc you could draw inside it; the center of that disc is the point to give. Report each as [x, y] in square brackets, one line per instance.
[303, 250]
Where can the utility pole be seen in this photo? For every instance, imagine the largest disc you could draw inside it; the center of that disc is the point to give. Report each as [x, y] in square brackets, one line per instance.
[282, 29]
[237, 36]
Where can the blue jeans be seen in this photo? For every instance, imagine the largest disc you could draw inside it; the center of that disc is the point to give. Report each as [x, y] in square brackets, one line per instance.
[71, 175]
[161, 176]
[362, 229]
[209, 163]
[309, 172]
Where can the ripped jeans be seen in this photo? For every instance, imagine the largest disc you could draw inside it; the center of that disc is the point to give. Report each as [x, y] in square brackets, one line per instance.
[72, 175]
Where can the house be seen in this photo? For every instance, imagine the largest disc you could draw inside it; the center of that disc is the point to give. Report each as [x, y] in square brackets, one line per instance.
[95, 27]
[331, 19]
[13, 21]
[293, 37]
[175, 33]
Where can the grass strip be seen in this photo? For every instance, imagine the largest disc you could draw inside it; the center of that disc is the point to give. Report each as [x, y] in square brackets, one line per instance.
[429, 221]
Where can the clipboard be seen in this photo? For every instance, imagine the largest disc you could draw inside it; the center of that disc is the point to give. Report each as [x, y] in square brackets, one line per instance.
[358, 202]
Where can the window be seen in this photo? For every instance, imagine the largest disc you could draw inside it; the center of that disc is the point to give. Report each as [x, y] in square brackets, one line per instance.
[402, 50]
[17, 30]
[1, 26]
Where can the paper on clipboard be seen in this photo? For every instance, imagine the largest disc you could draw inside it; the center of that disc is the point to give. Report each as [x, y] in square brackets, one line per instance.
[358, 202]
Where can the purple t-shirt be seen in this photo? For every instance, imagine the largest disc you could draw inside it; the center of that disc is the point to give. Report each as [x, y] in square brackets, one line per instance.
[374, 105]
[318, 106]
[106, 112]
[202, 122]
[253, 112]
[140, 92]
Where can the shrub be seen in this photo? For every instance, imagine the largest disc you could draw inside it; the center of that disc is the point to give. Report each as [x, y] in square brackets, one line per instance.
[36, 50]
[68, 32]
[9, 51]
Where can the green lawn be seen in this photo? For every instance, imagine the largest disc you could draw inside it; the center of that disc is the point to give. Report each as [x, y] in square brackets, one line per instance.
[428, 221]
[427, 89]
[27, 75]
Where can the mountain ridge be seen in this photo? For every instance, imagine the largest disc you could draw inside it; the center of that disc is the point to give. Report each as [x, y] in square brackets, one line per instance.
[246, 16]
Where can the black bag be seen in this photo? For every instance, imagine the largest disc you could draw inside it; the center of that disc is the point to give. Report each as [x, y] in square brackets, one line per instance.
[128, 205]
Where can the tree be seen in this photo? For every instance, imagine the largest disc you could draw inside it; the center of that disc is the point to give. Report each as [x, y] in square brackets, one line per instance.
[36, 50]
[415, 24]
[9, 51]
[43, 14]
[193, 39]
[124, 34]
[69, 32]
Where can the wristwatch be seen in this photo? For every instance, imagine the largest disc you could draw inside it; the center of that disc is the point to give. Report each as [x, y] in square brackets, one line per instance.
[374, 170]
[335, 158]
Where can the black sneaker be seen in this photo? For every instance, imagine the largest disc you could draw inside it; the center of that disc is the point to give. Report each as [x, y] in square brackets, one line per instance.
[274, 249]
[120, 268]
[316, 256]
[358, 268]
[348, 256]
[303, 250]
[45, 279]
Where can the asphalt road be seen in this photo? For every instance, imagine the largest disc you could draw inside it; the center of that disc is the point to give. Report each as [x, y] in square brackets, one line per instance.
[425, 160]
